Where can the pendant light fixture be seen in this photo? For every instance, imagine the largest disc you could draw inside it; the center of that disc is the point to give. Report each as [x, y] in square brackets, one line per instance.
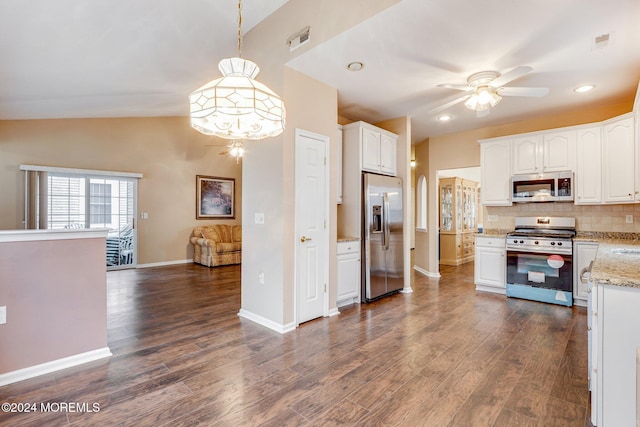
[236, 106]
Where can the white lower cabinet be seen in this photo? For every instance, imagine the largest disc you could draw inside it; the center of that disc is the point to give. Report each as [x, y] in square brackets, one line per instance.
[348, 272]
[490, 264]
[583, 254]
[615, 340]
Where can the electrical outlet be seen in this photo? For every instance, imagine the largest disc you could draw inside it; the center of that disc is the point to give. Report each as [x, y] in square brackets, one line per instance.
[3, 315]
[259, 218]
[492, 218]
[629, 219]
[261, 278]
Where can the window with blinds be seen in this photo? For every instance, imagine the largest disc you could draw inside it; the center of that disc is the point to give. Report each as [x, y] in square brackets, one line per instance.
[58, 198]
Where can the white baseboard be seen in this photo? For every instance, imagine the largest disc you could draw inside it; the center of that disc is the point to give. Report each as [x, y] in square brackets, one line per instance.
[580, 303]
[406, 290]
[491, 289]
[54, 365]
[426, 273]
[334, 312]
[266, 322]
[163, 263]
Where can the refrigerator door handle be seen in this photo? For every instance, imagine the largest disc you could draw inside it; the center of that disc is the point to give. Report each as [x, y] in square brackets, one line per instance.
[385, 217]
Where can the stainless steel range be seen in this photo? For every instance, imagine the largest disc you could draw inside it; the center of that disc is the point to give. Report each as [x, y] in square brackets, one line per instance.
[540, 259]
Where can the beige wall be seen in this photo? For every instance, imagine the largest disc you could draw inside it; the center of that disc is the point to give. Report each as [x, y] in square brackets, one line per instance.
[462, 150]
[166, 150]
[268, 176]
[421, 252]
[55, 292]
[268, 173]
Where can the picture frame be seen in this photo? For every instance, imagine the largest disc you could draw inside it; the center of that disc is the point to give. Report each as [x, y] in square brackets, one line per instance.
[215, 197]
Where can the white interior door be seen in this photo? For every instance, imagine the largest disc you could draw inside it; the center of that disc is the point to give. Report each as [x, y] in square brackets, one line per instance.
[311, 231]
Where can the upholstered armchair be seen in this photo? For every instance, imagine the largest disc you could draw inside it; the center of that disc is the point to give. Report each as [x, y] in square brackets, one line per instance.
[215, 245]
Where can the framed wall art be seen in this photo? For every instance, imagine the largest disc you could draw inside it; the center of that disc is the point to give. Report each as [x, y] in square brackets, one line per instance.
[215, 197]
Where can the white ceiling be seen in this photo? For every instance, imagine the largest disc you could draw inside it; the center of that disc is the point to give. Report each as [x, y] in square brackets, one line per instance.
[105, 58]
[114, 58]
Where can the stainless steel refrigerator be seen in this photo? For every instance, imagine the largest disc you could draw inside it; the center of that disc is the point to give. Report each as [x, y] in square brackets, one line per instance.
[382, 243]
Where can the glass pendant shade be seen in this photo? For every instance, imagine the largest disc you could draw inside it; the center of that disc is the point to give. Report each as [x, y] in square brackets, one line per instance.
[236, 106]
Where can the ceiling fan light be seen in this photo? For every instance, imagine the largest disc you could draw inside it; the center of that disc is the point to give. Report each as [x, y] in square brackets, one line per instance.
[482, 99]
[472, 102]
[484, 96]
[495, 98]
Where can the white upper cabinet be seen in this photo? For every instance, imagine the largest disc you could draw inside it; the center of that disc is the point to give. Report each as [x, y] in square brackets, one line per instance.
[618, 160]
[589, 166]
[370, 150]
[495, 173]
[544, 152]
[559, 151]
[388, 154]
[378, 147]
[527, 154]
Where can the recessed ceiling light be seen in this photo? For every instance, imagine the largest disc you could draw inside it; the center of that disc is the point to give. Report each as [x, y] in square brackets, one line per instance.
[355, 66]
[445, 118]
[585, 88]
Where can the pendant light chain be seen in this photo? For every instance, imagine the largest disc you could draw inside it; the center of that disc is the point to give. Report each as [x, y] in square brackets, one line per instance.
[239, 28]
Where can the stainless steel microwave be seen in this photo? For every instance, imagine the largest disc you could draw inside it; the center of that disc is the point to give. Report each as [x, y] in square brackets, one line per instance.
[544, 187]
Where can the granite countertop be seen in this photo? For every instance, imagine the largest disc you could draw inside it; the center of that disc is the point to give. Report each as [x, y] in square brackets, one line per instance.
[347, 239]
[617, 262]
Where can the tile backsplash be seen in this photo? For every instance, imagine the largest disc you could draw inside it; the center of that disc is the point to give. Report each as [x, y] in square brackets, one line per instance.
[610, 218]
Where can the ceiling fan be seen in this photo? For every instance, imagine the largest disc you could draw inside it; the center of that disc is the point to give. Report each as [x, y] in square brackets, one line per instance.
[234, 149]
[486, 88]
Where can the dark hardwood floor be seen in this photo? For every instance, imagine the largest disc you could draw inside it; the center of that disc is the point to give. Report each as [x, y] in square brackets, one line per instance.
[444, 355]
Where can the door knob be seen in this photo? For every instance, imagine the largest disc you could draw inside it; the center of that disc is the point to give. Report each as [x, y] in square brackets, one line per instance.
[304, 239]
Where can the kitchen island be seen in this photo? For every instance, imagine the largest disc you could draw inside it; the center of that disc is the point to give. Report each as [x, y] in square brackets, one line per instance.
[614, 312]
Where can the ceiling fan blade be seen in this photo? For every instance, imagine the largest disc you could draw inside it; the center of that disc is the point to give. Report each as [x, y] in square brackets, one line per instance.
[537, 92]
[449, 104]
[456, 87]
[510, 76]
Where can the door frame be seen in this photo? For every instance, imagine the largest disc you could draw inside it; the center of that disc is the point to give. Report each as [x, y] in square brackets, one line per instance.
[327, 142]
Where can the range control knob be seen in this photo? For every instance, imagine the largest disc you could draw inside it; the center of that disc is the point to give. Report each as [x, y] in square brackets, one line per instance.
[515, 241]
[521, 241]
[553, 243]
[536, 242]
[559, 243]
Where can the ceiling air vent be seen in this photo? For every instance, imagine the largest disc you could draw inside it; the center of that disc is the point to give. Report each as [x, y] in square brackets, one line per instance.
[299, 39]
[602, 41]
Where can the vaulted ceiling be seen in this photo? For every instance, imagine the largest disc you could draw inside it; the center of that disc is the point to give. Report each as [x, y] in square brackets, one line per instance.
[100, 58]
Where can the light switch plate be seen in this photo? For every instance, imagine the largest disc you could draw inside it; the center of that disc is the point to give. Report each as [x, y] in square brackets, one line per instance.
[3, 315]
[629, 219]
[259, 218]
[492, 218]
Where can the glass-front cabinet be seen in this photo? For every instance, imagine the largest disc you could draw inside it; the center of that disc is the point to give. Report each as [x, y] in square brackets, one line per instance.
[458, 219]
